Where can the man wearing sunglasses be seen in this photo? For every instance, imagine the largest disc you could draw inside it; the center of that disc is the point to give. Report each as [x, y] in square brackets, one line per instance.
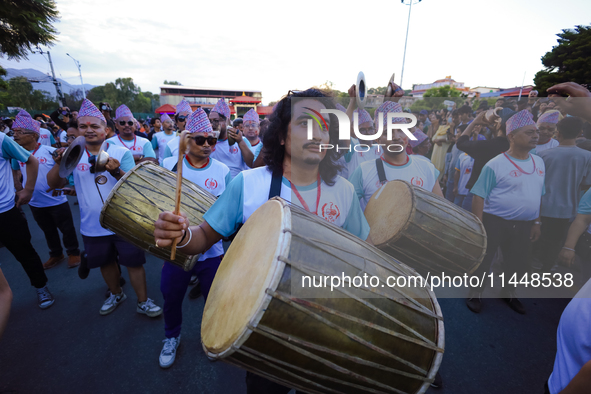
[103, 246]
[213, 176]
[14, 231]
[238, 157]
[161, 138]
[183, 110]
[140, 147]
[50, 209]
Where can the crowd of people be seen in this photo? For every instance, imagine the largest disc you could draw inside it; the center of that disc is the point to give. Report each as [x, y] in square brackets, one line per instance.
[522, 167]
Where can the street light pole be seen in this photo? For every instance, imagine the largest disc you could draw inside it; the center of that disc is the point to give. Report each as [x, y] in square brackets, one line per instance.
[406, 40]
[77, 63]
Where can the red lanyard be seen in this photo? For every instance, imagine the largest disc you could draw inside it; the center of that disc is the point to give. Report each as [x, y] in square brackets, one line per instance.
[193, 165]
[397, 165]
[299, 196]
[519, 168]
[88, 153]
[36, 149]
[134, 141]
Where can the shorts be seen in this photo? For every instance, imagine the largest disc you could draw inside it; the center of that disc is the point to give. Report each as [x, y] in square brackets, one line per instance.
[101, 251]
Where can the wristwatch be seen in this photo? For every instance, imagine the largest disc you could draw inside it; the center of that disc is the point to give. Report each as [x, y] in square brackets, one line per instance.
[115, 173]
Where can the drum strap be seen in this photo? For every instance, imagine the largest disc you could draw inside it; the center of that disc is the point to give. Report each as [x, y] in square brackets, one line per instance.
[275, 190]
[381, 171]
[175, 167]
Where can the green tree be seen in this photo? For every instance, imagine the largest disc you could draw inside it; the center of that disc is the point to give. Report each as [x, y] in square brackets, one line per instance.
[20, 93]
[172, 83]
[125, 91]
[433, 98]
[569, 61]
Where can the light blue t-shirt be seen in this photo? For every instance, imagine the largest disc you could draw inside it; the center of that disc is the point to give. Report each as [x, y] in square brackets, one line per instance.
[10, 150]
[230, 209]
[137, 146]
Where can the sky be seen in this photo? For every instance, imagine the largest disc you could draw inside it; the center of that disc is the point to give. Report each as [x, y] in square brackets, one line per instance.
[275, 46]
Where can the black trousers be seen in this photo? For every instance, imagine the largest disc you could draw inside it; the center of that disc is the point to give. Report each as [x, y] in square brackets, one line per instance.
[50, 219]
[512, 236]
[256, 384]
[15, 235]
[553, 236]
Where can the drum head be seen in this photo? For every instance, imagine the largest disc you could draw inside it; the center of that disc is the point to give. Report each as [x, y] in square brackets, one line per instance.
[247, 270]
[389, 210]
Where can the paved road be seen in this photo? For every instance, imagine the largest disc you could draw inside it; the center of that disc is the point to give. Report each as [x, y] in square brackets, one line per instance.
[70, 348]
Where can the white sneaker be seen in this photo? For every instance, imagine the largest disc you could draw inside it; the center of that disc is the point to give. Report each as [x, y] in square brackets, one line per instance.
[168, 353]
[112, 302]
[44, 298]
[149, 308]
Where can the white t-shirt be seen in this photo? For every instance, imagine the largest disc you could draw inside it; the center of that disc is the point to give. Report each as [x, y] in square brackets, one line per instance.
[89, 198]
[63, 137]
[256, 149]
[418, 171]
[137, 146]
[548, 145]
[573, 340]
[41, 198]
[464, 166]
[45, 137]
[159, 141]
[511, 193]
[230, 156]
[213, 177]
[360, 154]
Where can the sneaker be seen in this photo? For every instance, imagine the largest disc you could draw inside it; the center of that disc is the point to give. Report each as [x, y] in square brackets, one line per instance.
[193, 280]
[83, 269]
[195, 291]
[112, 302]
[168, 353]
[52, 262]
[149, 308]
[73, 261]
[44, 298]
[474, 302]
[515, 304]
[121, 283]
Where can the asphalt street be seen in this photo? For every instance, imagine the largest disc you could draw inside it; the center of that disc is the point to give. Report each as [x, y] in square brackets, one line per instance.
[70, 348]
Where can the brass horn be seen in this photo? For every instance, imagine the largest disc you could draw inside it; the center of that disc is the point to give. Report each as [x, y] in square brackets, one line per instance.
[71, 157]
[361, 90]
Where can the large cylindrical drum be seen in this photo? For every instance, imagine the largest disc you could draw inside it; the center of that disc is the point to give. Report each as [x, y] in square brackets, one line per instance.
[425, 231]
[140, 196]
[372, 338]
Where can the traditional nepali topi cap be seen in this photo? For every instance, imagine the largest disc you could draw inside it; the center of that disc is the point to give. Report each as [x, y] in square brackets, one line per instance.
[122, 111]
[552, 116]
[420, 136]
[183, 106]
[24, 121]
[364, 116]
[251, 116]
[520, 119]
[89, 109]
[164, 117]
[387, 107]
[221, 107]
[198, 122]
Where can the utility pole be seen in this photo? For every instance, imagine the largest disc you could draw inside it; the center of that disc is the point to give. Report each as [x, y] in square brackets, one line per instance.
[77, 63]
[406, 39]
[58, 89]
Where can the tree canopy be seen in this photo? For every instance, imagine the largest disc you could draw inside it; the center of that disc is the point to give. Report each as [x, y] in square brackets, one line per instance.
[433, 98]
[172, 83]
[20, 93]
[569, 61]
[125, 91]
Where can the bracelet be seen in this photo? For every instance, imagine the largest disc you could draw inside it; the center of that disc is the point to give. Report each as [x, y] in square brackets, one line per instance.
[183, 238]
[572, 250]
[188, 242]
[537, 222]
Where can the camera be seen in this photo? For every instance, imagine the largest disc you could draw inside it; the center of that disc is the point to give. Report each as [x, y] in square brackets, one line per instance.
[105, 107]
[64, 112]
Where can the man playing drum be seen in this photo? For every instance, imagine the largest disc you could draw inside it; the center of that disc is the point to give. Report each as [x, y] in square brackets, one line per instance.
[238, 157]
[212, 176]
[140, 147]
[394, 163]
[295, 166]
[507, 198]
[103, 246]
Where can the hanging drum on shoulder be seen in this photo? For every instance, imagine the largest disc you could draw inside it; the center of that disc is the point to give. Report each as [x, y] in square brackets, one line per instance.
[140, 196]
[259, 316]
[425, 231]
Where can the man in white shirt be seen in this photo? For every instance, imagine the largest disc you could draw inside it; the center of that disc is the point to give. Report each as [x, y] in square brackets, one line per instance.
[251, 124]
[50, 209]
[507, 199]
[126, 124]
[212, 176]
[238, 156]
[14, 231]
[547, 127]
[103, 246]
[161, 138]
[183, 110]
